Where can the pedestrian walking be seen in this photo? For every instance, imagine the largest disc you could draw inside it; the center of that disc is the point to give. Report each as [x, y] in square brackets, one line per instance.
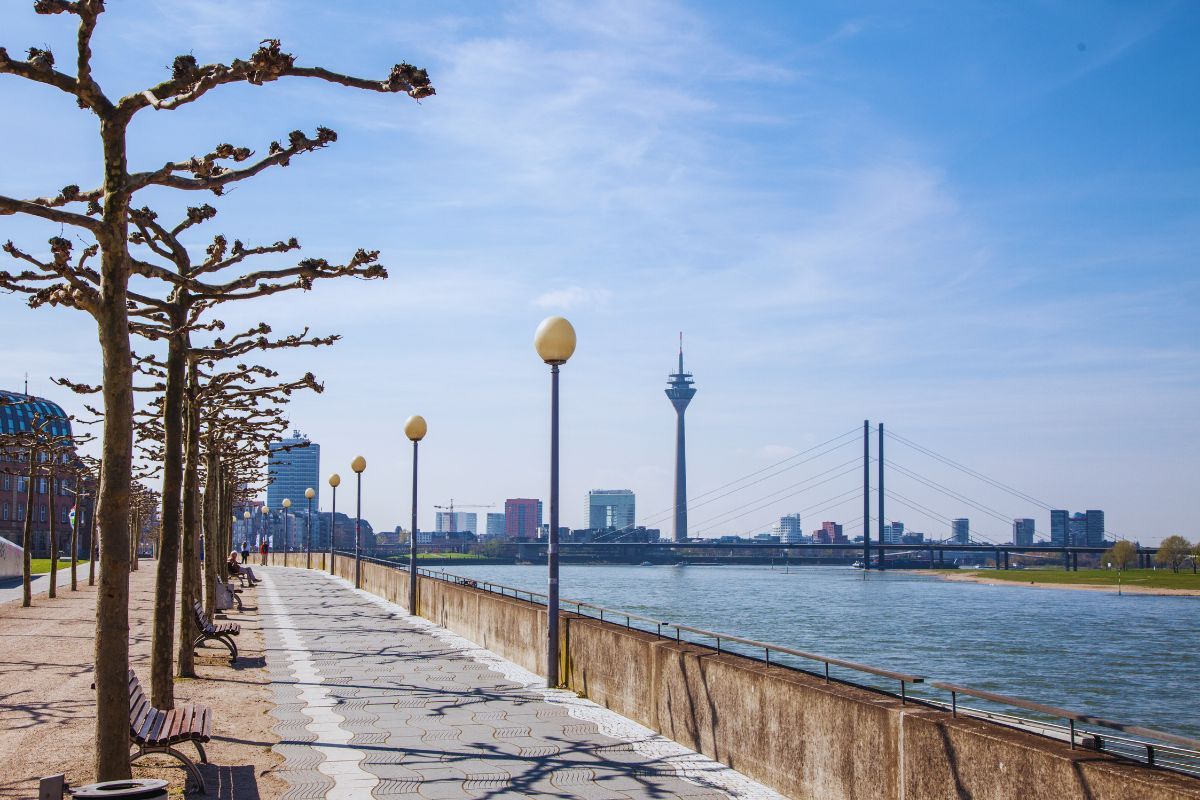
[263, 548]
[245, 551]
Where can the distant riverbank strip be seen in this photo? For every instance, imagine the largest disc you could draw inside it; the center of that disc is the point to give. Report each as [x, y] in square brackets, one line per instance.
[1152, 582]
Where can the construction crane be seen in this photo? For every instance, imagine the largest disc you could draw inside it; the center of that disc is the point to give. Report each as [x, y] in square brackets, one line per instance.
[450, 509]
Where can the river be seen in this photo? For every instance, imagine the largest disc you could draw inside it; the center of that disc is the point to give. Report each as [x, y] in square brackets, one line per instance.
[1132, 658]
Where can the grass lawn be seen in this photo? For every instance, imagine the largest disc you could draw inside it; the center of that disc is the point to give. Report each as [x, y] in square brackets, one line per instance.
[1154, 579]
[38, 566]
[462, 556]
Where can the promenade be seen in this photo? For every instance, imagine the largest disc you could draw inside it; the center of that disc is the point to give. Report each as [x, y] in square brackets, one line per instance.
[373, 702]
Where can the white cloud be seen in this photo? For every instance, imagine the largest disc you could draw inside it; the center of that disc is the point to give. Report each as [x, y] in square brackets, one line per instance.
[571, 297]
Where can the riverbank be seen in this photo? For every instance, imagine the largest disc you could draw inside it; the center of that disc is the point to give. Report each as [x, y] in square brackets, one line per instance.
[1160, 583]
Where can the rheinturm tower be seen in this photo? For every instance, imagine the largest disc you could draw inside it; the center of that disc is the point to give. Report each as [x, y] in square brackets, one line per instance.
[680, 391]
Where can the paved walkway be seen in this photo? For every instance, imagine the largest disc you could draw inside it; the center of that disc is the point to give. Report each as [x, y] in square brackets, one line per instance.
[374, 702]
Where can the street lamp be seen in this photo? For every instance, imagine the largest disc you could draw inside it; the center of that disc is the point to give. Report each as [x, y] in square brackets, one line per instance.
[287, 531]
[246, 529]
[309, 493]
[415, 429]
[358, 465]
[554, 341]
[335, 481]
[263, 534]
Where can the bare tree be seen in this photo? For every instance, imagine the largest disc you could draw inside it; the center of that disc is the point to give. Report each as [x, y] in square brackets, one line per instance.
[103, 214]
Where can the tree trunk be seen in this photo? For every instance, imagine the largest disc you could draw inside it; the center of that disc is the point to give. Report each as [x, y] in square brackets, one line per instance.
[93, 545]
[162, 685]
[53, 591]
[212, 523]
[27, 528]
[188, 556]
[75, 534]
[112, 597]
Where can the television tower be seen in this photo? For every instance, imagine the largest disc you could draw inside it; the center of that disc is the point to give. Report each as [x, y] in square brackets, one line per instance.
[680, 391]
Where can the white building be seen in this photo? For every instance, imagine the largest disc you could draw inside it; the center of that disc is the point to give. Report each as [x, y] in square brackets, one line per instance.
[788, 529]
[457, 521]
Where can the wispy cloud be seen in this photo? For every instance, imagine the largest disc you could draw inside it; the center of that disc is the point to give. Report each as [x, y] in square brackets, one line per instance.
[572, 297]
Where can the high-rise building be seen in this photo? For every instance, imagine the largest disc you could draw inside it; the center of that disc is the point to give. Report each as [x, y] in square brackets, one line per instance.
[294, 465]
[1077, 530]
[680, 391]
[1059, 533]
[1094, 527]
[522, 518]
[456, 522]
[495, 524]
[961, 531]
[1022, 532]
[894, 533]
[788, 529]
[610, 508]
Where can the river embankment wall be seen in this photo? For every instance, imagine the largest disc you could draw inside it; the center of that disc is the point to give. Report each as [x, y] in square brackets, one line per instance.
[788, 729]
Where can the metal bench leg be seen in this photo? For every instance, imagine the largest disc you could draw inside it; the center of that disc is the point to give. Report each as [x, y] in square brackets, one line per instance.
[227, 640]
[200, 750]
[188, 765]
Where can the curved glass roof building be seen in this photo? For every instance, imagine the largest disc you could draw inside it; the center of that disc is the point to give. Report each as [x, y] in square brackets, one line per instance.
[17, 412]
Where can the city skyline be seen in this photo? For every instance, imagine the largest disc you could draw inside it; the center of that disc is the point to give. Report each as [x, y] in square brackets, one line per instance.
[1004, 276]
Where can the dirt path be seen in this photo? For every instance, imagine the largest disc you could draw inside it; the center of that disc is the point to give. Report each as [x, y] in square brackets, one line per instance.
[46, 700]
[1128, 588]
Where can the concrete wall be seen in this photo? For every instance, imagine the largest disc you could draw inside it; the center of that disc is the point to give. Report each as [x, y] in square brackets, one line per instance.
[12, 559]
[786, 729]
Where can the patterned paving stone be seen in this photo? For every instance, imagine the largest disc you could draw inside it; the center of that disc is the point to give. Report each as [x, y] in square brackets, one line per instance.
[374, 703]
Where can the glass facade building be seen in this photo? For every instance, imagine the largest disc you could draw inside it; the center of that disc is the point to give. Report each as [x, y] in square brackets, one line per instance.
[295, 465]
[611, 508]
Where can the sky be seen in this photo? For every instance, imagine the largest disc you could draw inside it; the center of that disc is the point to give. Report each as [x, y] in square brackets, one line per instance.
[975, 222]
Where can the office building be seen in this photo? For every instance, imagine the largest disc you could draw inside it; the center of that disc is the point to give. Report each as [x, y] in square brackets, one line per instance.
[1094, 527]
[1059, 533]
[1022, 532]
[522, 518]
[456, 522]
[294, 465]
[960, 531]
[830, 533]
[495, 525]
[894, 533]
[610, 508]
[788, 529]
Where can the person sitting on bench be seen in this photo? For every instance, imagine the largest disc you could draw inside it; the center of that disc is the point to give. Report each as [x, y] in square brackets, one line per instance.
[240, 569]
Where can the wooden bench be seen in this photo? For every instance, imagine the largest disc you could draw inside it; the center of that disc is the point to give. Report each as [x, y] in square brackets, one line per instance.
[222, 633]
[155, 731]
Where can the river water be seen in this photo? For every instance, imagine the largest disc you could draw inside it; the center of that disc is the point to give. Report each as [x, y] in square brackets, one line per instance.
[1132, 658]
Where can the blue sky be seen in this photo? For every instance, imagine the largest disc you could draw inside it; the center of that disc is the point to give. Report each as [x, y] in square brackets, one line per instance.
[975, 222]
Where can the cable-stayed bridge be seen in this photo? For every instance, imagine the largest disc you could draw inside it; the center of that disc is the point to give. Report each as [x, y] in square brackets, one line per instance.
[843, 471]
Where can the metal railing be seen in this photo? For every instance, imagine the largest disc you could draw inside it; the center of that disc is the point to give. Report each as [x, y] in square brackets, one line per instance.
[1178, 745]
[1166, 750]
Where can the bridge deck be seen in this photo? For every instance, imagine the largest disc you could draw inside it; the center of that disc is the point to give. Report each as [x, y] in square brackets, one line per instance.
[373, 701]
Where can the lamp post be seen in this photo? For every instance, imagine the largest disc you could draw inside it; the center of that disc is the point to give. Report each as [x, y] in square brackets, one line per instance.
[358, 465]
[309, 493]
[555, 343]
[335, 480]
[287, 530]
[415, 429]
[263, 533]
[246, 529]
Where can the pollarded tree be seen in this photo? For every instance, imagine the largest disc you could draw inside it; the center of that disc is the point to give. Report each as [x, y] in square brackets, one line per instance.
[103, 214]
